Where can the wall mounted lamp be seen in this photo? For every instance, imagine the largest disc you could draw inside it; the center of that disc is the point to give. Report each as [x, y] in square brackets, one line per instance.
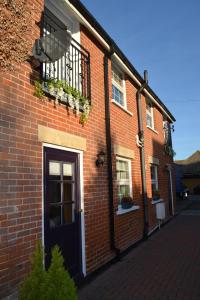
[100, 158]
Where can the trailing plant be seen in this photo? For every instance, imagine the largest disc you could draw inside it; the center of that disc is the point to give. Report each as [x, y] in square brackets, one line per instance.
[38, 90]
[55, 283]
[61, 90]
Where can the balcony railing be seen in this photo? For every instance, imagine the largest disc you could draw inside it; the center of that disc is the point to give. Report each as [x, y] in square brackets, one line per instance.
[73, 67]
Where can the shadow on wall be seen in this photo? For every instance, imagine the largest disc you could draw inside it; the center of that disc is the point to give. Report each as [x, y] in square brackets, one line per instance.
[166, 175]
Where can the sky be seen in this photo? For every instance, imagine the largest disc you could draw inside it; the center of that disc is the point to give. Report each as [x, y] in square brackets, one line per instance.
[162, 36]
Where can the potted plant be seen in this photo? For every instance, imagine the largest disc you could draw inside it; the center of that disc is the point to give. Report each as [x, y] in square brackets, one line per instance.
[156, 195]
[127, 202]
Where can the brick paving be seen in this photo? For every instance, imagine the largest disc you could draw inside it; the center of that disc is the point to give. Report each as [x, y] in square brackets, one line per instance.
[166, 267]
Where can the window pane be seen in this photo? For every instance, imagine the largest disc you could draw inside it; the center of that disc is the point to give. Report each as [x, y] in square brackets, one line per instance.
[124, 190]
[117, 95]
[153, 173]
[122, 170]
[149, 108]
[117, 76]
[67, 171]
[68, 213]
[149, 121]
[54, 192]
[54, 170]
[54, 216]
[67, 192]
[154, 187]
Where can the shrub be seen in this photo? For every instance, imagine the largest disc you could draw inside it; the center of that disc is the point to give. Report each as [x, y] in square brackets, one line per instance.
[59, 284]
[54, 284]
[34, 285]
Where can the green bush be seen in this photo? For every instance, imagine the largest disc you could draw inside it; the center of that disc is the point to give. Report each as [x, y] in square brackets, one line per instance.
[54, 284]
[34, 285]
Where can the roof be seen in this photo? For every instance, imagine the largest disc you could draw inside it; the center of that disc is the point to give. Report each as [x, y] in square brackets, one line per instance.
[95, 24]
[190, 167]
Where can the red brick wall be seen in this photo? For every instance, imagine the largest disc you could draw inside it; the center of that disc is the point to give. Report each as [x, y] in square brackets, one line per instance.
[21, 166]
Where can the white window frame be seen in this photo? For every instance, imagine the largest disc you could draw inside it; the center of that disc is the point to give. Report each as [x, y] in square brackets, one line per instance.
[154, 181]
[122, 89]
[150, 114]
[125, 181]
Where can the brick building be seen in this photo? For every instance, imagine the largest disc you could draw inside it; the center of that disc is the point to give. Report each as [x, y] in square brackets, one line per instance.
[70, 183]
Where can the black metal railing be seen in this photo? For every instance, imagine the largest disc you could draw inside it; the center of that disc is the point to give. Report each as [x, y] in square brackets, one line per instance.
[74, 66]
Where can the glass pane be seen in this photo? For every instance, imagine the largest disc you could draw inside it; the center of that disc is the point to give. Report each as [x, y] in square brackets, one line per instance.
[54, 192]
[54, 168]
[153, 173]
[122, 170]
[68, 213]
[149, 120]
[117, 95]
[124, 190]
[67, 192]
[67, 171]
[117, 76]
[54, 216]
[154, 187]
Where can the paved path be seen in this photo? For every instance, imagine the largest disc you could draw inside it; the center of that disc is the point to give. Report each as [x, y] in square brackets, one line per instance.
[166, 267]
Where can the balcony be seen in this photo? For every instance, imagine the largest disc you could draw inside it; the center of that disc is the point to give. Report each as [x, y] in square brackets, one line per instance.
[67, 77]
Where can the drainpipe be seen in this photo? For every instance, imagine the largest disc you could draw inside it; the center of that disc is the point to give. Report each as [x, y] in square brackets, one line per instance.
[142, 154]
[109, 159]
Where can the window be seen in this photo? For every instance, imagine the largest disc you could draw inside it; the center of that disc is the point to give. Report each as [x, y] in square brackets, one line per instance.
[154, 181]
[124, 182]
[118, 87]
[149, 115]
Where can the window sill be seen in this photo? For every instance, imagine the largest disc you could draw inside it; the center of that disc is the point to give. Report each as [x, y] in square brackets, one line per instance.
[122, 211]
[122, 107]
[152, 129]
[156, 201]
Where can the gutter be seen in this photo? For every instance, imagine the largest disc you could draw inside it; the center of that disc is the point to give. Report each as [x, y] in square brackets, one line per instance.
[142, 155]
[109, 160]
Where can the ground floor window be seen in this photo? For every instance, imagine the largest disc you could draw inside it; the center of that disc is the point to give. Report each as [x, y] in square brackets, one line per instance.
[123, 168]
[154, 182]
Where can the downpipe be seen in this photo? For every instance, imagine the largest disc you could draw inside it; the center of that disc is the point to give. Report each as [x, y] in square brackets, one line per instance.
[109, 160]
[142, 155]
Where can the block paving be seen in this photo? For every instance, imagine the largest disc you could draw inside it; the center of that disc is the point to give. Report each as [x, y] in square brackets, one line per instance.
[165, 267]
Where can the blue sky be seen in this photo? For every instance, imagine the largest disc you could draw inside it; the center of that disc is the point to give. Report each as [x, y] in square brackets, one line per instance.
[164, 38]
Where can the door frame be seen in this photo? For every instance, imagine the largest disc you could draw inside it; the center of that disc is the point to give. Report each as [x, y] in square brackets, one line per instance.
[82, 223]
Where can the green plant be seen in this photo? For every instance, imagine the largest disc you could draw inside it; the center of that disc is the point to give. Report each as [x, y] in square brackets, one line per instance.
[59, 84]
[60, 285]
[34, 285]
[38, 89]
[127, 202]
[48, 285]
[156, 195]
[83, 118]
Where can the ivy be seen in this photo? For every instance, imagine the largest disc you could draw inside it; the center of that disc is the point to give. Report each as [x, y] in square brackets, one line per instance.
[16, 26]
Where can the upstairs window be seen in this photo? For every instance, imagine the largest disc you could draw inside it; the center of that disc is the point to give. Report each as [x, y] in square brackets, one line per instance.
[149, 115]
[118, 87]
[124, 182]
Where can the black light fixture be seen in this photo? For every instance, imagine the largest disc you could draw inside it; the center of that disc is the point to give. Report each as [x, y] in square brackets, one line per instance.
[100, 159]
